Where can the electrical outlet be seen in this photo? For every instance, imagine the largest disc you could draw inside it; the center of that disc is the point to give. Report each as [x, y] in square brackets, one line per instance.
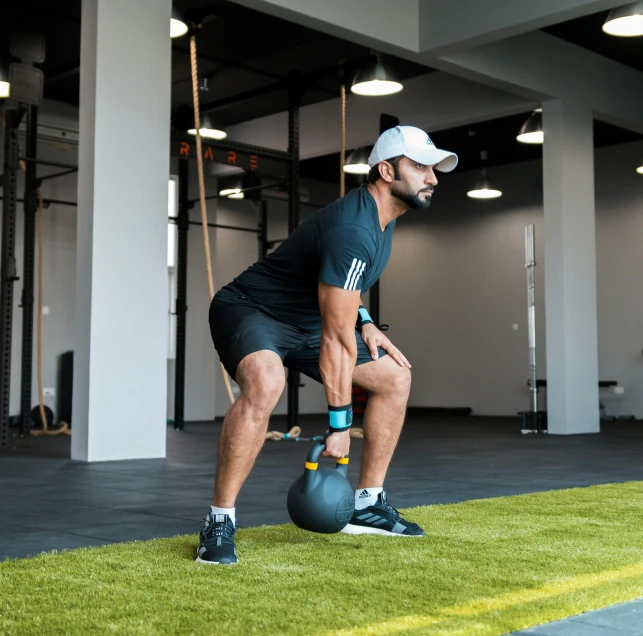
[515, 327]
[49, 392]
[45, 311]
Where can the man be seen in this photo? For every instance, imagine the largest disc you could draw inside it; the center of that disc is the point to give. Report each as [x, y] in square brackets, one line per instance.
[300, 307]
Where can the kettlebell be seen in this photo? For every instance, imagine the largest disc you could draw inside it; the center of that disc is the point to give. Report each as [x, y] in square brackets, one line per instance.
[322, 499]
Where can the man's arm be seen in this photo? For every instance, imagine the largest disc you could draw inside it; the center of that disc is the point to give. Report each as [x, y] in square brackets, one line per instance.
[338, 354]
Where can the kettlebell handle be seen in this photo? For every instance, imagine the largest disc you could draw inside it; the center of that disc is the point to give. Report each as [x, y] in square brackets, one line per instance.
[312, 461]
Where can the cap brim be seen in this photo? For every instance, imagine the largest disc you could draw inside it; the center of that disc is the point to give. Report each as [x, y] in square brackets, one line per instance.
[443, 160]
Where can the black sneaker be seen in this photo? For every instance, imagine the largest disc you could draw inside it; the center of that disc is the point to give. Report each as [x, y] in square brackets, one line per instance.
[382, 518]
[217, 541]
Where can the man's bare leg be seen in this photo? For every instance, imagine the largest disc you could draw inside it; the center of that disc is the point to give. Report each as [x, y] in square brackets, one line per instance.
[389, 386]
[261, 378]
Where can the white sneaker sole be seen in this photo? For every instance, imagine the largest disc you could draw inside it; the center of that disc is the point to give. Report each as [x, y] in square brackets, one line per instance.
[351, 529]
[200, 560]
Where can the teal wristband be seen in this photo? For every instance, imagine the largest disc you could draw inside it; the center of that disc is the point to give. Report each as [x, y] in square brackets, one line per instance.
[363, 318]
[341, 417]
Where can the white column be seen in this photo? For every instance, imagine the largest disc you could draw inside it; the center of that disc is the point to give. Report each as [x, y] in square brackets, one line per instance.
[570, 269]
[120, 366]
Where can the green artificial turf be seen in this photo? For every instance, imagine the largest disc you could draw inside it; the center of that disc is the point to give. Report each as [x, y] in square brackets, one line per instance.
[485, 567]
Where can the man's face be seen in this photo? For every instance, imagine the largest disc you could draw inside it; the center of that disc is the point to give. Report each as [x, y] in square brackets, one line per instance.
[414, 184]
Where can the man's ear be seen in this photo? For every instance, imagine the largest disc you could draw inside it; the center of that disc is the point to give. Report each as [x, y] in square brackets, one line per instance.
[387, 172]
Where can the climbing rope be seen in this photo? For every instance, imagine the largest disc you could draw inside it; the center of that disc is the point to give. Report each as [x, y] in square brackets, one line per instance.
[204, 212]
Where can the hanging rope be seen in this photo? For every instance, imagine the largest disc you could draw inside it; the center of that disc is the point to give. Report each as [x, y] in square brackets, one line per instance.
[204, 212]
[342, 152]
[63, 427]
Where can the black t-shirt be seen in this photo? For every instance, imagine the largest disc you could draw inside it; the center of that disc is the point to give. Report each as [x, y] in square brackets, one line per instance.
[341, 245]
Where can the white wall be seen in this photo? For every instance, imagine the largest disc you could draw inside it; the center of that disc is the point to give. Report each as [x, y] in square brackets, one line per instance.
[456, 285]
[454, 288]
[462, 264]
[619, 236]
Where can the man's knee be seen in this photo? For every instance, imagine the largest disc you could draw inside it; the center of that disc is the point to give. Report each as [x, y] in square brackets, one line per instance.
[392, 379]
[401, 380]
[262, 380]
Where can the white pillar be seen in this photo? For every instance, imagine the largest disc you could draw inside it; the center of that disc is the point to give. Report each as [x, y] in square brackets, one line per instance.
[120, 359]
[570, 269]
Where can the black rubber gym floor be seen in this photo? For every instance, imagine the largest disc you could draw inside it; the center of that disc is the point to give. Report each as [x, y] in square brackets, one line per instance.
[48, 502]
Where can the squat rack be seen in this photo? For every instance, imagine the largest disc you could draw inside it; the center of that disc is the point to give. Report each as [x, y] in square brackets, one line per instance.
[248, 157]
[8, 268]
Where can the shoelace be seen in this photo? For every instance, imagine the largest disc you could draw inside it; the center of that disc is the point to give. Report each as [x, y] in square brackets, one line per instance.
[387, 506]
[219, 530]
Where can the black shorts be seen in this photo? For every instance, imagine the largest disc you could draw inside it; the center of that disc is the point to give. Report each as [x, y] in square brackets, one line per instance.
[239, 330]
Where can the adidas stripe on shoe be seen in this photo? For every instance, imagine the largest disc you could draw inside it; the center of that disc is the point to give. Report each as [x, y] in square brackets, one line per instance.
[381, 518]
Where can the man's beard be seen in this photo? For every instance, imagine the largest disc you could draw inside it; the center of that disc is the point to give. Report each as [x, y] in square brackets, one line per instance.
[412, 201]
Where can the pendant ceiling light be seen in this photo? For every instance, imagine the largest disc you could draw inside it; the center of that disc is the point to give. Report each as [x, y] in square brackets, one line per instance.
[484, 188]
[178, 27]
[357, 162]
[232, 186]
[626, 21]
[532, 130]
[5, 88]
[208, 129]
[376, 79]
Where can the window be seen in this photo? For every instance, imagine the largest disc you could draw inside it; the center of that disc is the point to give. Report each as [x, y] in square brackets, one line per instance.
[172, 262]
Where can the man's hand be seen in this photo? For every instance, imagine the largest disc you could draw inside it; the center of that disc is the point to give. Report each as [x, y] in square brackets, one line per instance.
[337, 445]
[374, 338]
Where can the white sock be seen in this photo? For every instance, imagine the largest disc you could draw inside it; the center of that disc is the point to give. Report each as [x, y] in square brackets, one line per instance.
[225, 511]
[365, 497]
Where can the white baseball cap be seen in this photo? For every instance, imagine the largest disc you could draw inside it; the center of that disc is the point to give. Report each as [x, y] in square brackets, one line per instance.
[414, 144]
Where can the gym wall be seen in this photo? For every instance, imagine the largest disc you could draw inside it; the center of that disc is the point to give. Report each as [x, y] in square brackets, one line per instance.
[455, 286]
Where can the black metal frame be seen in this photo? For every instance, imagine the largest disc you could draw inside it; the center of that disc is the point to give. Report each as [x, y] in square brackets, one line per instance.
[291, 157]
[181, 296]
[8, 271]
[294, 100]
[30, 210]
[8, 268]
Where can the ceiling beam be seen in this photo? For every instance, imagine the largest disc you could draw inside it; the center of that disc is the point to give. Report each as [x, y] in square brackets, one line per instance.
[443, 29]
[541, 66]
[376, 20]
[533, 65]
[436, 101]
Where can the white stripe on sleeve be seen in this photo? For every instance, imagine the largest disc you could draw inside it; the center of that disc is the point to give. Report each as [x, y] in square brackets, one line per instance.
[350, 272]
[357, 274]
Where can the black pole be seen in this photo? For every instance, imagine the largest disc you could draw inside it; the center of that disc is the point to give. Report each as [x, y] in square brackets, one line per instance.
[294, 99]
[262, 223]
[181, 297]
[31, 210]
[8, 265]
